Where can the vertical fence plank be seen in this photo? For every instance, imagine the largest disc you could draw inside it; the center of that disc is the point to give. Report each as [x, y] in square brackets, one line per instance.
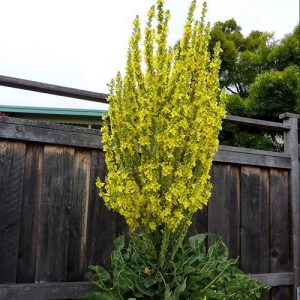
[291, 147]
[199, 222]
[78, 221]
[30, 213]
[279, 229]
[12, 157]
[121, 226]
[224, 206]
[101, 229]
[254, 220]
[55, 214]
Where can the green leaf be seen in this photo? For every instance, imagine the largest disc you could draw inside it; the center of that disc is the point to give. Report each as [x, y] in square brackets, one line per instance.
[188, 270]
[149, 281]
[101, 274]
[168, 293]
[197, 243]
[180, 289]
[139, 283]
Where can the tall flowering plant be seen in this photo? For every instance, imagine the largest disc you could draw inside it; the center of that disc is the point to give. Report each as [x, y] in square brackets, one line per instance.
[162, 128]
[159, 136]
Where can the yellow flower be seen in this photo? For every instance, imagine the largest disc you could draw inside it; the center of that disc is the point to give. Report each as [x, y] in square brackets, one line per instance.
[148, 271]
[162, 128]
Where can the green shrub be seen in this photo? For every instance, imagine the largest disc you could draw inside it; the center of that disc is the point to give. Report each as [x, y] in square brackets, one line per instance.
[196, 273]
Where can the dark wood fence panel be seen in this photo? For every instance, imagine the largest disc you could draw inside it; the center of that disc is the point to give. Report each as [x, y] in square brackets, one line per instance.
[225, 206]
[55, 211]
[79, 210]
[32, 188]
[279, 229]
[101, 230]
[53, 224]
[254, 220]
[12, 160]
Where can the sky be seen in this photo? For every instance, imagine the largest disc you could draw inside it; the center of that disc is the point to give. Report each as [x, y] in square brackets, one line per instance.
[83, 43]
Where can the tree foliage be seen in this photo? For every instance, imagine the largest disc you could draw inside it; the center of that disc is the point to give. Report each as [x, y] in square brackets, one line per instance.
[243, 58]
[261, 76]
[274, 92]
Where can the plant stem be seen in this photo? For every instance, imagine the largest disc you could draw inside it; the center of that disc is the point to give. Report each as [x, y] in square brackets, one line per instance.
[164, 247]
[182, 233]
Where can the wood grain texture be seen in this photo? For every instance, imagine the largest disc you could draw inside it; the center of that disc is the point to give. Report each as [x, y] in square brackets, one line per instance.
[121, 226]
[52, 89]
[32, 187]
[252, 157]
[224, 206]
[45, 291]
[78, 219]
[291, 147]
[52, 250]
[50, 135]
[12, 160]
[249, 122]
[101, 230]
[199, 222]
[254, 220]
[275, 279]
[279, 229]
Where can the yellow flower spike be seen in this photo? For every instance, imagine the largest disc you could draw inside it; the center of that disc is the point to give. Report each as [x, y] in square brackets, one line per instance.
[161, 131]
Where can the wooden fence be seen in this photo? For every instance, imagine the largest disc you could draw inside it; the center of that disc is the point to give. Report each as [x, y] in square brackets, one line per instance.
[52, 224]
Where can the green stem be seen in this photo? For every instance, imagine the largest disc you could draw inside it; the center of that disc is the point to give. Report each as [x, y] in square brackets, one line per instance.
[182, 233]
[164, 247]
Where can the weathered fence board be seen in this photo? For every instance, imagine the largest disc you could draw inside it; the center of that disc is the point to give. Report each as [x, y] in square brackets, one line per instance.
[12, 160]
[254, 220]
[291, 146]
[101, 222]
[78, 221]
[51, 89]
[52, 249]
[49, 133]
[45, 291]
[279, 229]
[32, 188]
[225, 206]
[200, 222]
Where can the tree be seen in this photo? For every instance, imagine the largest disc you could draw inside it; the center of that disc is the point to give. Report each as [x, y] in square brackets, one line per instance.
[286, 52]
[274, 92]
[243, 58]
[261, 76]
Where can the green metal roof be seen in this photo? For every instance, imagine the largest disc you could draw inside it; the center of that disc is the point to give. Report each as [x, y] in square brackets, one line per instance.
[52, 111]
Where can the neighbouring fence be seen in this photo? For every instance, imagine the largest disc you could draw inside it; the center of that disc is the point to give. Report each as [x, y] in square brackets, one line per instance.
[53, 225]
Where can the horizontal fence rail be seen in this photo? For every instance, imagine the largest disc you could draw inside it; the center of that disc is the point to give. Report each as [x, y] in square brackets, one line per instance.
[48, 290]
[51, 133]
[256, 123]
[47, 88]
[68, 290]
[51, 89]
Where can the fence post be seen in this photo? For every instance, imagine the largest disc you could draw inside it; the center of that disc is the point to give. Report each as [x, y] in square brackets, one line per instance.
[291, 146]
